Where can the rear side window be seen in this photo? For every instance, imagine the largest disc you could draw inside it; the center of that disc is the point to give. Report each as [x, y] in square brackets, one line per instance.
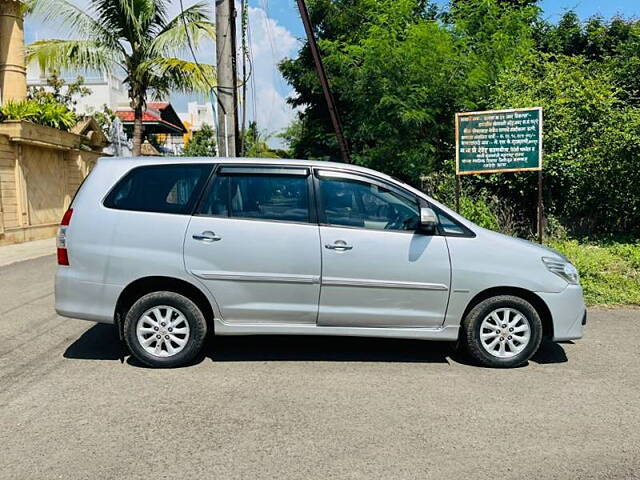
[159, 188]
[261, 197]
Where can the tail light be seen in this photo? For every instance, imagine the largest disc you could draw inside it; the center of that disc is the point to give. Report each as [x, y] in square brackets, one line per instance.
[61, 242]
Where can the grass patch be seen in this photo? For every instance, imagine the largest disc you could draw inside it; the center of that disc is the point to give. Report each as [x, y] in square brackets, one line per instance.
[609, 272]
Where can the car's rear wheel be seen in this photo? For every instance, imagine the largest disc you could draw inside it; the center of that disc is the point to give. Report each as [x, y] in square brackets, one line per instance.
[502, 331]
[165, 329]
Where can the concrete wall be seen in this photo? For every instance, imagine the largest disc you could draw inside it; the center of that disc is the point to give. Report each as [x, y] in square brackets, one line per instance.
[40, 170]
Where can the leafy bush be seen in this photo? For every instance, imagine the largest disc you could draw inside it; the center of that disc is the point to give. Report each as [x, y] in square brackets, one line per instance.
[488, 211]
[591, 143]
[49, 113]
[202, 143]
[19, 110]
[479, 212]
[609, 272]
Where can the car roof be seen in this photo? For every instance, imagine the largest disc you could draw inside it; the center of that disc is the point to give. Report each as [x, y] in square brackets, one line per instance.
[139, 161]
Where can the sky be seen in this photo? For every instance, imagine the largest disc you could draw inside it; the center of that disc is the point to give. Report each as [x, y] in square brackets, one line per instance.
[277, 33]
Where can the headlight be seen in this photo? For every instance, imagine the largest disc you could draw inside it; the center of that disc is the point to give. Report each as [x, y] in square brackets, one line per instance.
[563, 269]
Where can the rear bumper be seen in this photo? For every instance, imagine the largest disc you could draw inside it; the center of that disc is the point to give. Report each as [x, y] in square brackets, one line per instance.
[85, 300]
[568, 312]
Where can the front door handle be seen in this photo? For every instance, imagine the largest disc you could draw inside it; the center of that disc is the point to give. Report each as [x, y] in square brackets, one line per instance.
[207, 236]
[340, 245]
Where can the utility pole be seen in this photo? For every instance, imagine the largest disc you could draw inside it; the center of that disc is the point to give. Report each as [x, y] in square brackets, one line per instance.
[244, 16]
[226, 89]
[234, 76]
[331, 104]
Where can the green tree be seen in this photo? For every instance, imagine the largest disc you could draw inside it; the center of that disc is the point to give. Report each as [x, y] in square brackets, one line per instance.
[202, 143]
[134, 36]
[58, 90]
[595, 38]
[591, 141]
[255, 143]
[399, 72]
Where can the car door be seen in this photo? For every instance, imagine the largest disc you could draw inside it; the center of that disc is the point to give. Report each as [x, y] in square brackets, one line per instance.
[254, 242]
[377, 269]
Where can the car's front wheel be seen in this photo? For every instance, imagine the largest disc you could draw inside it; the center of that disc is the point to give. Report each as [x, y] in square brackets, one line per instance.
[165, 329]
[502, 331]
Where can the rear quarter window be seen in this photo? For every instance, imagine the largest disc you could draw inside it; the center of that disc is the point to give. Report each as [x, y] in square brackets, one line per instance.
[159, 188]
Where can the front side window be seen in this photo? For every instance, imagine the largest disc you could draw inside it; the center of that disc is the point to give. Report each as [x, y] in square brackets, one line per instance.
[450, 227]
[356, 203]
[259, 196]
[159, 188]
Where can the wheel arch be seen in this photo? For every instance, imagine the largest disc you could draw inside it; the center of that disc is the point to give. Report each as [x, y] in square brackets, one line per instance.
[145, 285]
[531, 297]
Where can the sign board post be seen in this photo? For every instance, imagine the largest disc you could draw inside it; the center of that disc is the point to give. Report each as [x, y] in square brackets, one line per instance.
[499, 141]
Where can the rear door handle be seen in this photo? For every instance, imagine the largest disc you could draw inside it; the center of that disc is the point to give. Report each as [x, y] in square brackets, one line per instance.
[207, 236]
[340, 245]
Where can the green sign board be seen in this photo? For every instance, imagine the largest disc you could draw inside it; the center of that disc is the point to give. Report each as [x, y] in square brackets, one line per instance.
[499, 141]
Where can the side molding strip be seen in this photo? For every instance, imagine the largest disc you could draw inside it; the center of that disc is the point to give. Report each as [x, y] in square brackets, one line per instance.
[313, 279]
[354, 282]
[257, 277]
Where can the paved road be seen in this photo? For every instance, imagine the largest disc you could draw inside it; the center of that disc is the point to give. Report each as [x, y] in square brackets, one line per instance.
[291, 407]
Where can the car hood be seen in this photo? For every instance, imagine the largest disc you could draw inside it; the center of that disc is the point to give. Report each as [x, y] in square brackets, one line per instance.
[526, 245]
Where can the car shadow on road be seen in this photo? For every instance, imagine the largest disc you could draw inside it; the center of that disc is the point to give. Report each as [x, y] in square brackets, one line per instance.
[351, 349]
[550, 352]
[326, 349]
[101, 342]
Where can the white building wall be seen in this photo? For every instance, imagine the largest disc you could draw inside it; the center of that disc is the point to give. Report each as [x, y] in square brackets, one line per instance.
[106, 88]
[198, 115]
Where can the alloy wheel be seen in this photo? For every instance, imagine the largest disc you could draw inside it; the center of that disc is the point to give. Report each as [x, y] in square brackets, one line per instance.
[162, 331]
[505, 332]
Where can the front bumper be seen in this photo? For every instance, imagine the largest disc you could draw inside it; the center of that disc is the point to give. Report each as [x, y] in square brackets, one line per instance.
[568, 312]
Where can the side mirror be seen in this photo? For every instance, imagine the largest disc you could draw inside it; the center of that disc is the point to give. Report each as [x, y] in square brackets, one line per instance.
[428, 220]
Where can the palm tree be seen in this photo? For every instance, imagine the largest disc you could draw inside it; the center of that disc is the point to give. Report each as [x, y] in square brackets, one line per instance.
[135, 36]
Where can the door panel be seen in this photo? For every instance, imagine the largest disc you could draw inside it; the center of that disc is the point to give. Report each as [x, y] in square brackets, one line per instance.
[258, 272]
[387, 278]
[254, 246]
[376, 270]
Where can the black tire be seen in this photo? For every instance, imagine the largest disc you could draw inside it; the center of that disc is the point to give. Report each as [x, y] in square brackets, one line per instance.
[470, 331]
[193, 315]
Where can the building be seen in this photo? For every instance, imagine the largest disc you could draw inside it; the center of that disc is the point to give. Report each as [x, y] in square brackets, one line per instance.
[161, 122]
[198, 115]
[107, 88]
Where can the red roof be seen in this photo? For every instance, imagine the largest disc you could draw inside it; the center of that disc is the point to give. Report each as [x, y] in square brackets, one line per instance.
[158, 105]
[152, 114]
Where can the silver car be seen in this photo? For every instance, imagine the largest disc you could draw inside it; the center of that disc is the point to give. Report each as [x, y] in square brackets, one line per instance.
[171, 249]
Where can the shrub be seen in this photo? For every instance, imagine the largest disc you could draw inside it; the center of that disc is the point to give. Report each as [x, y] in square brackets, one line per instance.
[609, 272]
[477, 205]
[202, 143]
[479, 212]
[591, 144]
[48, 113]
